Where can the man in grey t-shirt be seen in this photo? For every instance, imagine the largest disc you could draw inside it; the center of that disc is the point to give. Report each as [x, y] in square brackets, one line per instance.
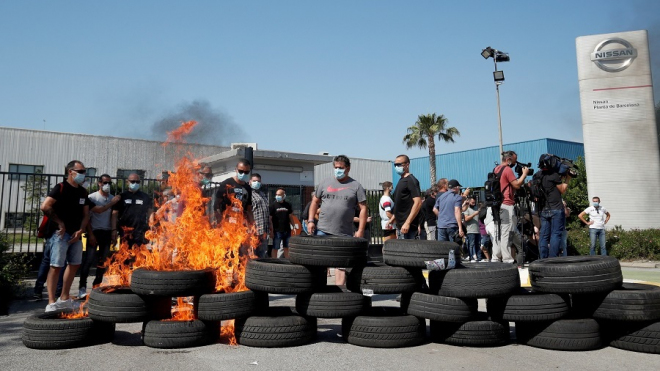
[340, 196]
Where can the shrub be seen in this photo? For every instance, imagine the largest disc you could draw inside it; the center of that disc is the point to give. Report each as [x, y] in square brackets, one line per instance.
[622, 244]
[13, 267]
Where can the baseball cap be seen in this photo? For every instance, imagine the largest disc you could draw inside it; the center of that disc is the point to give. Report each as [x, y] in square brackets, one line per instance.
[453, 184]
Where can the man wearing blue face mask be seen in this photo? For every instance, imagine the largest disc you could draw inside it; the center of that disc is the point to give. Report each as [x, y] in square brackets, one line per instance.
[237, 186]
[340, 195]
[130, 216]
[261, 215]
[67, 209]
[598, 217]
[407, 200]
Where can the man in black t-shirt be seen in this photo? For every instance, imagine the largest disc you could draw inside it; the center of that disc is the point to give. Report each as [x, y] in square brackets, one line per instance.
[407, 200]
[67, 209]
[237, 186]
[553, 217]
[430, 219]
[281, 216]
[130, 216]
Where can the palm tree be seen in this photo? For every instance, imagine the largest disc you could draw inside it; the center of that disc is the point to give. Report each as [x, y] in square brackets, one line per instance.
[423, 133]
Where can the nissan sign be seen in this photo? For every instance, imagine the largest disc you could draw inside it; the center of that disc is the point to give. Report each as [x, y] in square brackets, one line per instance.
[613, 60]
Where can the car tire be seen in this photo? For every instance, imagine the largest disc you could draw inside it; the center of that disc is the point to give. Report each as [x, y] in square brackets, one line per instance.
[328, 251]
[332, 303]
[576, 275]
[526, 306]
[280, 276]
[282, 327]
[172, 283]
[49, 331]
[384, 328]
[564, 334]
[180, 334]
[483, 280]
[414, 253]
[442, 308]
[122, 305]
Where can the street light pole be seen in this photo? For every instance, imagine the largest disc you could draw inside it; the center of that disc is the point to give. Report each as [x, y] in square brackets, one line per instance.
[499, 112]
[498, 77]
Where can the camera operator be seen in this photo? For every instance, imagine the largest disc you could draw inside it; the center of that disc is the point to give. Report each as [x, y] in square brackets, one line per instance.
[553, 215]
[508, 184]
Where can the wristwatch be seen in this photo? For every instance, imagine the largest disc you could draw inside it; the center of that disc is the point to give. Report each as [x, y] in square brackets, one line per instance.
[310, 221]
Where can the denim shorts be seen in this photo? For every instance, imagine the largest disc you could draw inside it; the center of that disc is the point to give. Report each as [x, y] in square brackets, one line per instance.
[61, 251]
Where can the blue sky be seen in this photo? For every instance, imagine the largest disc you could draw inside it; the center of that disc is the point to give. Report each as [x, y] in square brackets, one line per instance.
[306, 76]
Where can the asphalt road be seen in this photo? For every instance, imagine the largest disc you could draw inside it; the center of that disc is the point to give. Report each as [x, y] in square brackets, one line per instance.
[328, 352]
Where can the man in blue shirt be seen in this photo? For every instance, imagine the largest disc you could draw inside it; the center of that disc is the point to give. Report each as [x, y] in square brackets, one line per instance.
[448, 209]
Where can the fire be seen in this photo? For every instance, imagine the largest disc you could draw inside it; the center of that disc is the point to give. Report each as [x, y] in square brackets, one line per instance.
[190, 241]
[227, 333]
[81, 312]
[183, 311]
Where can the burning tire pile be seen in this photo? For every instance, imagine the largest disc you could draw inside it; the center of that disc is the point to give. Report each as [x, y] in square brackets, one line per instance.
[575, 303]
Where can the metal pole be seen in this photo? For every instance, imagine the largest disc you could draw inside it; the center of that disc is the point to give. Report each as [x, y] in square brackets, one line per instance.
[499, 115]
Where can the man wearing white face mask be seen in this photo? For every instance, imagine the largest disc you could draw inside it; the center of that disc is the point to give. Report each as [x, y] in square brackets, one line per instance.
[261, 215]
[99, 230]
[281, 217]
[131, 216]
[407, 200]
[598, 217]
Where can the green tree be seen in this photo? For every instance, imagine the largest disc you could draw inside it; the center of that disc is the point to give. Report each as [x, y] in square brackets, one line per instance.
[423, 134]
[577, 196]
[36, 189]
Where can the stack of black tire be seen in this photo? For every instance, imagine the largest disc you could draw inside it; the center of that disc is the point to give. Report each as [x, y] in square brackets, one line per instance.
[450, 303]
[304, 275]
[579, 303]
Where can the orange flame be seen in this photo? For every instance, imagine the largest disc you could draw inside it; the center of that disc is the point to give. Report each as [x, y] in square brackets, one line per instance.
[183, 311]
[227, 333]
[82, 312]
[183, 237]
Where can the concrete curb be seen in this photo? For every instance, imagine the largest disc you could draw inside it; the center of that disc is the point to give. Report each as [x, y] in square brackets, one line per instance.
[641, 264]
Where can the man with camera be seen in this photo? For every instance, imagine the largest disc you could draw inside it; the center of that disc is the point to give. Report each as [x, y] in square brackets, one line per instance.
[553, 216]
[507, 218]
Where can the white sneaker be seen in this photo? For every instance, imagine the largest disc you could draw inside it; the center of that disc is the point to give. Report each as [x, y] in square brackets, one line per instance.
[51, 307]
[473, 260]
[82, 293]
[64, 304]
[484, 260]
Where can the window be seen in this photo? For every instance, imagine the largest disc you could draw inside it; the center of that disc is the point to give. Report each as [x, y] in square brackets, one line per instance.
[124, 173]
[24, 169]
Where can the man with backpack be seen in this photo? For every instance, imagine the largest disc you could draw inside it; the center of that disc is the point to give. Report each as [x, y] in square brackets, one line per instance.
[500, 187]
[553, 215]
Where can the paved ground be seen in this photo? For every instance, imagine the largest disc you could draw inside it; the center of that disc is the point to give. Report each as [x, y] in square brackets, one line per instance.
[328, 352]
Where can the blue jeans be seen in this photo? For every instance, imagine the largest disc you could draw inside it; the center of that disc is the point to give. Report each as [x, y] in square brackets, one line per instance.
[411, 235]
[447, 234]
[43, 272]
[281, 237]
[564, 243]
[553, 224]
[597, 234]
[474, 245]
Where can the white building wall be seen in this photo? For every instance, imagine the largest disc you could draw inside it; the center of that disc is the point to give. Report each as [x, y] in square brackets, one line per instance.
[620, 133]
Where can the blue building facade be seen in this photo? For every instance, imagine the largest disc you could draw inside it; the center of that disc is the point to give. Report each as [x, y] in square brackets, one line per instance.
[471, 167]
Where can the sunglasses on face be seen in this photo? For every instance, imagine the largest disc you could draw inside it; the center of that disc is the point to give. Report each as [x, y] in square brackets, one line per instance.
[106, 182]
[243, 171]
[81, 171]
[399, 163]
[134, 181]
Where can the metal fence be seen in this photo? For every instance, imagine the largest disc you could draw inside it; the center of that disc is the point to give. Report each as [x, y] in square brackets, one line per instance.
[21, 195]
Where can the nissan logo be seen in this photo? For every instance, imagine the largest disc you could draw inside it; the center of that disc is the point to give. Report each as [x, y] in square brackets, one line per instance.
[614, 60]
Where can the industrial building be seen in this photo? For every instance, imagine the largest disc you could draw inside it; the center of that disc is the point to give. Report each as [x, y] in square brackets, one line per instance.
[471, 167]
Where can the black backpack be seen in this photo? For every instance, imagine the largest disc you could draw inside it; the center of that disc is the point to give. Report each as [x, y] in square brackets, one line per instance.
[494, 194]
[537, 192]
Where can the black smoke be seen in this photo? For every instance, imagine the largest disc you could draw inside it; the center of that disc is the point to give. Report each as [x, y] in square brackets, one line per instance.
[213, 126]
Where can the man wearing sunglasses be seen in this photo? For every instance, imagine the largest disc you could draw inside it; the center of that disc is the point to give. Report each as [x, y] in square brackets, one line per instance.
[130, 216]
[99, 231]
[67, 209]
[237, 186]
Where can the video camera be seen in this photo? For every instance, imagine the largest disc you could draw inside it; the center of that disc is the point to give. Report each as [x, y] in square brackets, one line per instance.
[520, 165]
[555, 164]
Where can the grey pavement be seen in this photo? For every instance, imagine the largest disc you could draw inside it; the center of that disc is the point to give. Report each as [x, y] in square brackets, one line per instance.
[329, 351]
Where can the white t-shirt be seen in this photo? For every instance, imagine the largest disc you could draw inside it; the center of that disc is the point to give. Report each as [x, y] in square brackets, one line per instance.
[386, 204]
[598, 216]
[100, 220]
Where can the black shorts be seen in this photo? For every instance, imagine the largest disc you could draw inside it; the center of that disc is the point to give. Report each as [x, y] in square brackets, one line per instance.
[389, 232]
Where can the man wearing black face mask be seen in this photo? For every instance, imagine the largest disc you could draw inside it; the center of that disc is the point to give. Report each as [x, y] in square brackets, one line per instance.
[237, 186]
